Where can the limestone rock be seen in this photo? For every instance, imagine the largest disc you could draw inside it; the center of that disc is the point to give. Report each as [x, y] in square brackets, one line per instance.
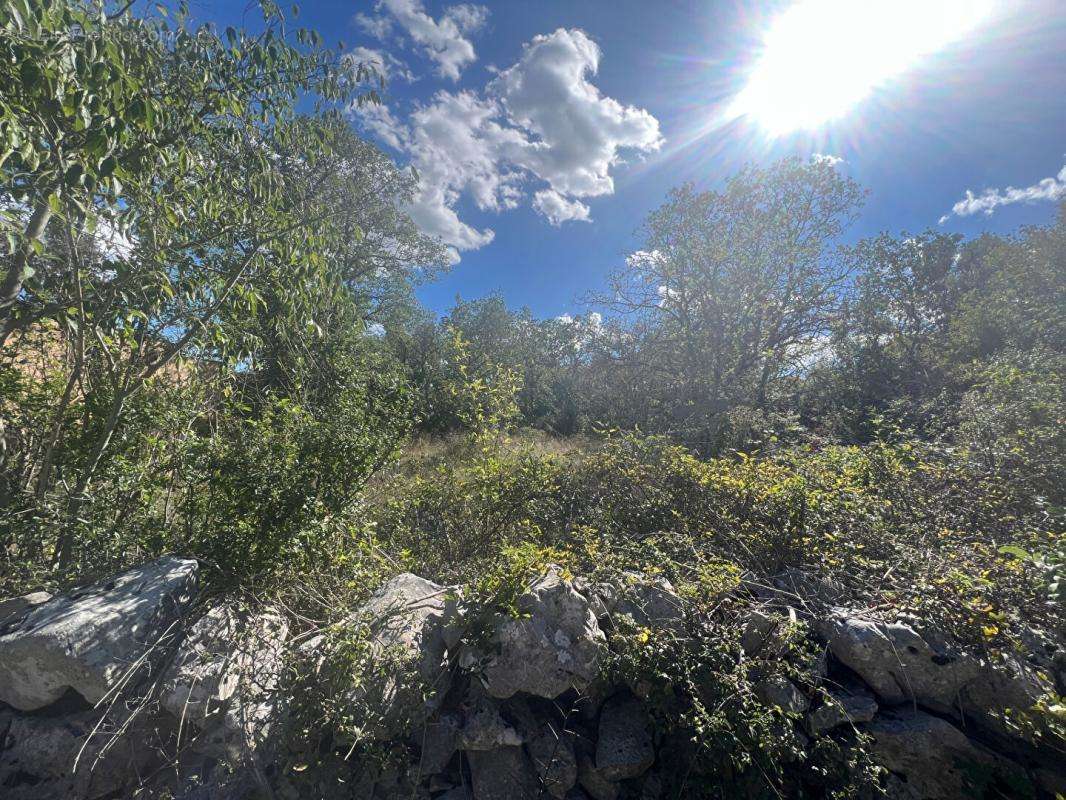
[602, 596]
[484, 728]
[38, 754]
[503, 774]
[438, 741]
[1010, 686]
[16, 607]
[780, 692]
[624, 747]
[407, 620]
[594, 782]
[224, 681]
[797, 587]
[842, 706]
[555, 646]
[757, 631]
[650, 602]
[549, 746]
[897, 663]
[935, 760]
[901, 666]
[94, 637]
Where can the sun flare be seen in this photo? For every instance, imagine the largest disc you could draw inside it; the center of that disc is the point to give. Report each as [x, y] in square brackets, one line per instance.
[820, 57]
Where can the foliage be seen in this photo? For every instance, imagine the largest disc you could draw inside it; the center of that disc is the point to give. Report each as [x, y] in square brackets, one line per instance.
[731, 293]
[187, 254]
[209, 344]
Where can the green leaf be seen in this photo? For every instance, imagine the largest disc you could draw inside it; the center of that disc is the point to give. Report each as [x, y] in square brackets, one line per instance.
[1017, 552]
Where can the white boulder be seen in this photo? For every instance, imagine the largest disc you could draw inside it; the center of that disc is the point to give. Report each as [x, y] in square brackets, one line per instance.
[96, 637]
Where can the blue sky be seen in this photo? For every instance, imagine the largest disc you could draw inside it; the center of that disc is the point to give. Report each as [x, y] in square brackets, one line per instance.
[525, 114]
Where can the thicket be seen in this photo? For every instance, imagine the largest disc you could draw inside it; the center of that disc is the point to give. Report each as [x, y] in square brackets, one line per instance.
[200, 252]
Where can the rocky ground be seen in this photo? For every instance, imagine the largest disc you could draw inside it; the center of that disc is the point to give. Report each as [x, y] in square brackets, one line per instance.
[136, 686]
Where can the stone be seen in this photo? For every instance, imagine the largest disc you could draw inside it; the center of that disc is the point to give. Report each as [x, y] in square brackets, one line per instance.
[933, 758]
[758, 628]
[650, 602]
[406, 620]
[38, 755]
[797, 587]
[1000, 690]
[602, 596]
[95, 638]
[852, 705]
[897, 663]
[553, 647]
[652, 787]
[457, 793]
[439, 741]
[549, 746]
[624, 746]
[502, 774]
[780, 692]
[15, 607]
[593, 781]
[902, 666]
[484, 728]
[224, 681]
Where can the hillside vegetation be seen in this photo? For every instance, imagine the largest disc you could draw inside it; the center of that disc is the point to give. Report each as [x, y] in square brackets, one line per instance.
[210, 347]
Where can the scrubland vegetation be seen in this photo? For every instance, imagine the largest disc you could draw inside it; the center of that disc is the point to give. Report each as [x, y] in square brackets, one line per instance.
[210, 346]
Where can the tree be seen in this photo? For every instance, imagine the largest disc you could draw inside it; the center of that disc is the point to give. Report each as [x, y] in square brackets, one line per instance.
[166, 203]
[733, 291]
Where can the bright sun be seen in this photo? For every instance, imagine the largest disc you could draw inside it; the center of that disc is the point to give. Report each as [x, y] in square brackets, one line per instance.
[820, 57]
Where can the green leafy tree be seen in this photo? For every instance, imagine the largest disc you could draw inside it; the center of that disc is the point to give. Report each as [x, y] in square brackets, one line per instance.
[172, 218]
[732, 293]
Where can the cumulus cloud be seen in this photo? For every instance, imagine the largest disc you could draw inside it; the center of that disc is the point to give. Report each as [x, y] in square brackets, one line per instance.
[376, 26]
[557, 209]
[457, 146]
[1048, 189]
[826, 158]
[380, 121]
[443, 40]
[540, 121]
[580, 132]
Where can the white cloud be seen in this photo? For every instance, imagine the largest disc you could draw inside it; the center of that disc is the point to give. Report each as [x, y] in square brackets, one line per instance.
[378, 27]
[558, 209]
[379, 120]
[468, 17]
[456, 145]
[539, 121]
[641, 260]
[826, 158]
[444, 41]
[578, 131]
[113, 244]
[1048, 189]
